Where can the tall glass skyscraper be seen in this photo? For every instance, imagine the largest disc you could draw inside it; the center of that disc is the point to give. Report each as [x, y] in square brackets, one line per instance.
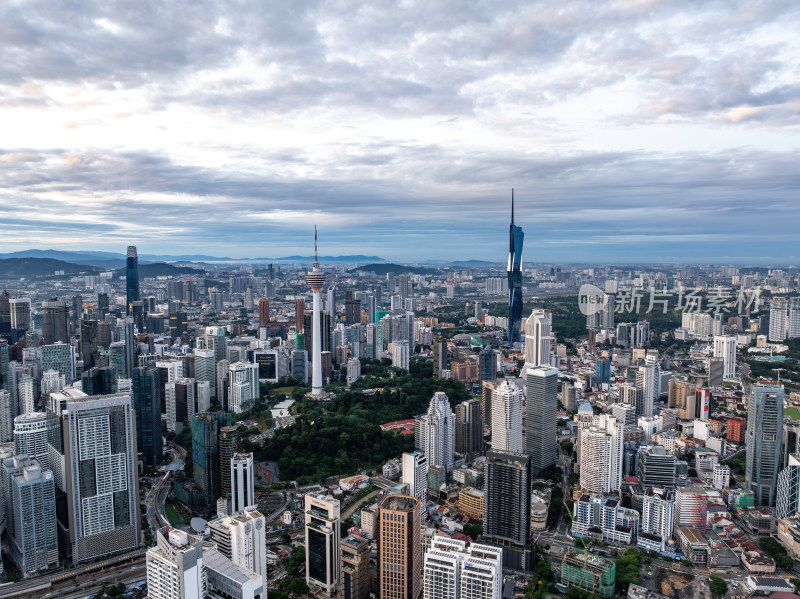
[131, 277]
[147, 398]
[763, 440]
[515, 239]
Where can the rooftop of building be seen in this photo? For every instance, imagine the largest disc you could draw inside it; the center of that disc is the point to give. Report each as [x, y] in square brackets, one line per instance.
[691, 535]
[399, 503]
[216, 561]
[589, 558]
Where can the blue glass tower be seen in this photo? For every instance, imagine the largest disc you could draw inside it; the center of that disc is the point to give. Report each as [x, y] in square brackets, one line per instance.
[515, 239]
[147, 398]
[131, 277]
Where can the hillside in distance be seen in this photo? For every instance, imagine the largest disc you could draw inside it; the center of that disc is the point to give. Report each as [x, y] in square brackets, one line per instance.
[36, 267]
[395, 269]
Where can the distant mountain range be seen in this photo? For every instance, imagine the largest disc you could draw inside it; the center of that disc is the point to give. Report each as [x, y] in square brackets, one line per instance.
[33, 267]
[395, 269]
[111, 260]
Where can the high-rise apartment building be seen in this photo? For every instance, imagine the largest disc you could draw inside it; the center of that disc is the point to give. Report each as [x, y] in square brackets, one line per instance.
[322, 542]
[602, 448]
[469, 428]
[507, 403]
[31, 514]
[95, 434]
[60, 357]
[537, 338]
[487, 389]
[30, 437]
[415, 475]
[440, 437]
[736, 429]
[648, 377]
[725, 348]
[763, 441]
[175, 566]
[658, 509]
[540, 421]
[399, 547]
[131, 278]
[263, 312]
[507, 498]
[778, 317]
[793, 324]
[514, 272]
[451, 569]
[691, 507]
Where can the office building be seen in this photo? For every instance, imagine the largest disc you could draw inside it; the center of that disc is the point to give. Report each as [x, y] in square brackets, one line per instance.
[656, 467]
[722, 477]
[241, 538]
[658, 514]
[322, 527]
[763, 441]
[20, 314]
[787, 501]
[537, 338]
[6, 418]
[244, 386]
[453, 570]
[469, 428]
[30, 437]
[353, 370]
[602, 369]
[131, 278]
[399, 547]
[55, 322]
[316, 279]
[507, 498]
[205, 369]
[540, 421]
[440, 434]
[602, 445]
[415, 475]
[225, 579]
[175, 566]
[88, 343]
[507, 403]
[400, 353]
[230, 444]
[354, 578]
[778, 317]
[624, 413]
[725, 348]
[205, 450]
[25, 396]
[691, 507]
[514, 272]
[60, 357]
[181, 403]
[95, 434]
[31, 514]
[147, 400]
[793, 324]
[242, 482]
[487, 364]
[487, 389]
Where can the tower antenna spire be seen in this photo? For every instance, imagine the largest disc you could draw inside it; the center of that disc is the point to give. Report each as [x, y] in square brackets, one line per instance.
[512, 205]
[316, 261]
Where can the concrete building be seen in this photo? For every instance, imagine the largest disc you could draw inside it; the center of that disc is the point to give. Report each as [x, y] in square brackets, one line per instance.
[241, 538]
[763, 440]
[354, 578]
[415, 475]
[725, 348]
[540, 422]
[507, 403]
[242, 482]
[507, 498]
[469, 428]
[452, 569]
[440, 435]
[175, 566]
[538, 338]
[399, 547]
[691, 506]
[658, 517]
[589, 572]
[31, 514]
[602, 447]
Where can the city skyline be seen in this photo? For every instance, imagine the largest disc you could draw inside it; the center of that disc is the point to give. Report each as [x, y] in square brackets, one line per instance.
[640, 132]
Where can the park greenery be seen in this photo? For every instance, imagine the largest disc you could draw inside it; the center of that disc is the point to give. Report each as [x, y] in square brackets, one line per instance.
[629, 566]
[777, 552]
[718, 586]
[343, 436]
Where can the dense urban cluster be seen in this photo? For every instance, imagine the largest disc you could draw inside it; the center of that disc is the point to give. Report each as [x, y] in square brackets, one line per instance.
[437, 431]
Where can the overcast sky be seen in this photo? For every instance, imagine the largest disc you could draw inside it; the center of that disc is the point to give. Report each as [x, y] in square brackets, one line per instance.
[637, 130]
